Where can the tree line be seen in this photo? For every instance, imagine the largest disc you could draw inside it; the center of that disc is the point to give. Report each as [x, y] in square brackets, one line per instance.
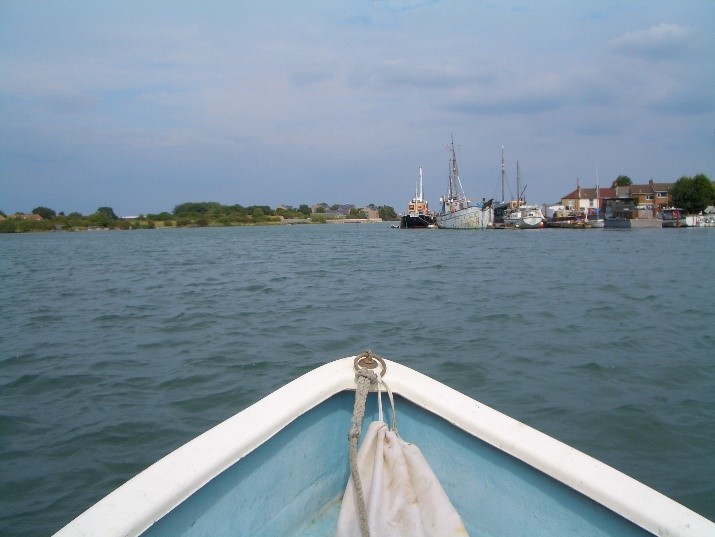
[190, 214]
[692, 194]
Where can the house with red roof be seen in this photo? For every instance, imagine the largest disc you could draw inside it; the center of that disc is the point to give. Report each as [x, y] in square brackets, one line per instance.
[587, 200]
[651, 196]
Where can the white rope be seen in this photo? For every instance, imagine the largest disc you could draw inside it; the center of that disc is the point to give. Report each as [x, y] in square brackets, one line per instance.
[380, 384]
[363, 380]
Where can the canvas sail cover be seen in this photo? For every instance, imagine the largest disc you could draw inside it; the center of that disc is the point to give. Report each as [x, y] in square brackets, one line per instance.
[402, 495]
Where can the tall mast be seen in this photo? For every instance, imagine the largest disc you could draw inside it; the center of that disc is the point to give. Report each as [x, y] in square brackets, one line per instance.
[420, 198]
[503, 174]
[518, 185]
[453, 173]
[598, 194]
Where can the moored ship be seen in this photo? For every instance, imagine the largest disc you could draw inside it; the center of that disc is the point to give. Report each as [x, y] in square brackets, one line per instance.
[458, 212]
[418, 214]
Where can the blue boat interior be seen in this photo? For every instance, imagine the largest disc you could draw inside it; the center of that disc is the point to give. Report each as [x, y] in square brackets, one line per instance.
[293, 484]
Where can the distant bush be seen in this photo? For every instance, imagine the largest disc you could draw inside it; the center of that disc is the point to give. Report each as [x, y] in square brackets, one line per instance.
[8, 226]
[12, 225]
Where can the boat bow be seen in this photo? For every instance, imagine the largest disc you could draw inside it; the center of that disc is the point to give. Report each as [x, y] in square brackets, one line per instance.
[134, 507]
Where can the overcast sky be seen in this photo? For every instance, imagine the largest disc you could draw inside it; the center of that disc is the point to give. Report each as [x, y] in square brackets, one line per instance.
[142, 105]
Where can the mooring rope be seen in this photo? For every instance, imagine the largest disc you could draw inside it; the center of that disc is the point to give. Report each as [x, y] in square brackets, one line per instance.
[364, 378]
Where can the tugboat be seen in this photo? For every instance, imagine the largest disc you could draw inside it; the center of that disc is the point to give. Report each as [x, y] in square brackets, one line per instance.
[418, 214]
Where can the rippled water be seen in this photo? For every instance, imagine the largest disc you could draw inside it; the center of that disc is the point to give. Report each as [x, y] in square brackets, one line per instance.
[117, 347]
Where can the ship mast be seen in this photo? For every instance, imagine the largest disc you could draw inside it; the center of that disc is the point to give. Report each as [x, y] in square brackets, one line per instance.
[453, 174]
[518, 186]
[598, 195]
[420, 198]
[503, 174]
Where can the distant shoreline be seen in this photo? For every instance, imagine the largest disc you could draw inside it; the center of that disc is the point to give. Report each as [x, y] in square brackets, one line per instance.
[46, 226]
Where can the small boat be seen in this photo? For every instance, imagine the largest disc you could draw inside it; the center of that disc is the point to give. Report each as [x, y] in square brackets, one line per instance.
[673, 217]
[458, 211]
[284, 465]
[418, 214]
[596, 220]
[569, 219]
[524, 217]
[518, 214]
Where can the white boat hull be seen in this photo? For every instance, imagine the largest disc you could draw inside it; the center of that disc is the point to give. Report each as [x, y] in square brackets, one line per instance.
[695, 220]
[531, 222]
[469, 218]
[280, 467]
[701, 221]
[525, 217]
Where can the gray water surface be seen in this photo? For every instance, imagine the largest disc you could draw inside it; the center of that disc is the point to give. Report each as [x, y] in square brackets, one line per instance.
[118, 347]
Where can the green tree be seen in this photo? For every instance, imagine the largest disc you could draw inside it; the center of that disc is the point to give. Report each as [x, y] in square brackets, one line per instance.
[195, 209]
[304, 209]
[356, 213]
[108, 212]
[621, 180]
[387, 213]
[163, 216]
[44, 212]
[265, 209]
[693, 194]
[100, 219]
[237, 208]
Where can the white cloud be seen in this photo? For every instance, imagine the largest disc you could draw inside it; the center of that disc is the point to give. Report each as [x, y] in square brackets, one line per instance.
[664, 41]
